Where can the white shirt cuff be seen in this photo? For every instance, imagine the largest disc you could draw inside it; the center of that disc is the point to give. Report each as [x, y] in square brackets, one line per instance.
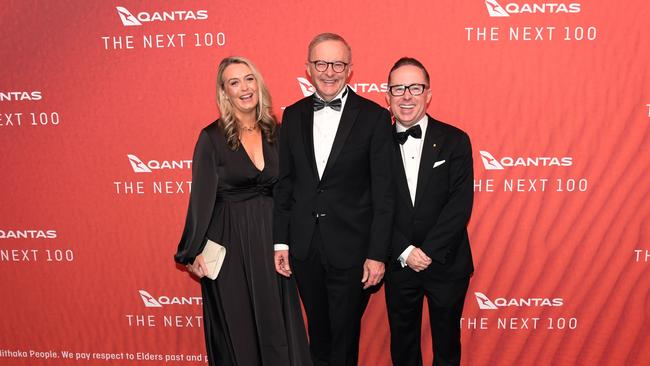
[405, 254]
[277, 247]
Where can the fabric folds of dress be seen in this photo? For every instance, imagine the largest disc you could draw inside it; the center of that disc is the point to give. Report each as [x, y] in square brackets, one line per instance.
[252, 315]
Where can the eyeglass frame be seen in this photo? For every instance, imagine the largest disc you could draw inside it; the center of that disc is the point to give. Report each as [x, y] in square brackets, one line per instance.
[329, 64]
[407, 87]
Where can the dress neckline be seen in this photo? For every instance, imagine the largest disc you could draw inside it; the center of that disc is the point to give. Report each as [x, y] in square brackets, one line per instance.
[248, 157]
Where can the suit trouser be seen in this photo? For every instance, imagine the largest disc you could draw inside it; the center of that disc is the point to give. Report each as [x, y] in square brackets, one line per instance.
[334, 301]
[405, 292]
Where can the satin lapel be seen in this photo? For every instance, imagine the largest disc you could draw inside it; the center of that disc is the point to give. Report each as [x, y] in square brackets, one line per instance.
[432, 142]
[349, 116]
[402, 184]
[307, 122]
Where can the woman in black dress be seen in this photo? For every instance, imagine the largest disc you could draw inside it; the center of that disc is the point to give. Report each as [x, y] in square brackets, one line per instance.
[252, 315]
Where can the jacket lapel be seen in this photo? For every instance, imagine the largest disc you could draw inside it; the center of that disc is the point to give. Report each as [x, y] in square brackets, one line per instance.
[348, 117]
[430, 151]
[307, 121]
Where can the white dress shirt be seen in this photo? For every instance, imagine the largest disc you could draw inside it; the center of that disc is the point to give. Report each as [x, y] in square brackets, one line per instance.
[326, 123]
[411, 153]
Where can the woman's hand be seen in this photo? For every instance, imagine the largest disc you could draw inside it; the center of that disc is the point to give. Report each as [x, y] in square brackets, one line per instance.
[198, 268]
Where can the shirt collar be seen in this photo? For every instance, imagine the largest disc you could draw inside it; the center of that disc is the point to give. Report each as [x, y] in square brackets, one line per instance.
[423, 122]
[339, 95]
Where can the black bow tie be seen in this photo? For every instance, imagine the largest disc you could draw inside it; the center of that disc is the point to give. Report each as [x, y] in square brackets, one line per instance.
[335, 104]
[415, 132]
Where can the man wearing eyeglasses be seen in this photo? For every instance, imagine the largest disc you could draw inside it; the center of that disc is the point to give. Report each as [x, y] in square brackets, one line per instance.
[429, 254]
[333, 201]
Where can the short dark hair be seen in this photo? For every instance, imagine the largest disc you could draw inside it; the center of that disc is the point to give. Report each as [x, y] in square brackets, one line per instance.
[327, 37]
[404, 61]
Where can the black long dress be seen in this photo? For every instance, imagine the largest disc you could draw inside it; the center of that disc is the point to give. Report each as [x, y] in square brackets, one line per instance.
[251, 314]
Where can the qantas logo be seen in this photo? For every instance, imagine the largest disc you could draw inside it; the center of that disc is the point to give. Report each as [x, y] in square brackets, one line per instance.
[496, 10]
[141, 167]
[27, 234]
[152, 302]
[489, 162]
[149, 301]
[485, 303]
[137, 164]
[492, 163]
[13, 96]
[308, 89]
[129, 20]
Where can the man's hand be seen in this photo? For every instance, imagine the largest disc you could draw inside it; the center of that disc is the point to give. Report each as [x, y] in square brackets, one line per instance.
[417, 260]
[281, 259]
[198, 268]
[373, 272]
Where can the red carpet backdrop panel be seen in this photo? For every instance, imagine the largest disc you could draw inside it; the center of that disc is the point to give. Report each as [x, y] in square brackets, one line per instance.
[101, 104]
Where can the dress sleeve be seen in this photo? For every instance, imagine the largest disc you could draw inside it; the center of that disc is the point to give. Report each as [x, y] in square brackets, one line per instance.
[203, 195]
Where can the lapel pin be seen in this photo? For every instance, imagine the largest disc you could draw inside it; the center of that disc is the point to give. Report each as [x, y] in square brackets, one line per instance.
[434, 145]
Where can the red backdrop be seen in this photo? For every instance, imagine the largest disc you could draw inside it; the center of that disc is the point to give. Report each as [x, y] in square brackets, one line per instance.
[555, 96]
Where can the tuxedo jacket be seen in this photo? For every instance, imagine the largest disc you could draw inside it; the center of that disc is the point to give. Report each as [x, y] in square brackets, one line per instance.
[437, 223]
[352, 201]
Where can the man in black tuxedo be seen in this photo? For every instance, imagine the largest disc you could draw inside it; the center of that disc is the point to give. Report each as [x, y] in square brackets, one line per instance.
[429, 254]
[333, 201]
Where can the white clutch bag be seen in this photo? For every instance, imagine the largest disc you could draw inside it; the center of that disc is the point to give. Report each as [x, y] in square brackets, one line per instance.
[213, 255]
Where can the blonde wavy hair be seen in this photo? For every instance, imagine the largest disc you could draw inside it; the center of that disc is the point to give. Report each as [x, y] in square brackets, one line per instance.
[264, 112]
